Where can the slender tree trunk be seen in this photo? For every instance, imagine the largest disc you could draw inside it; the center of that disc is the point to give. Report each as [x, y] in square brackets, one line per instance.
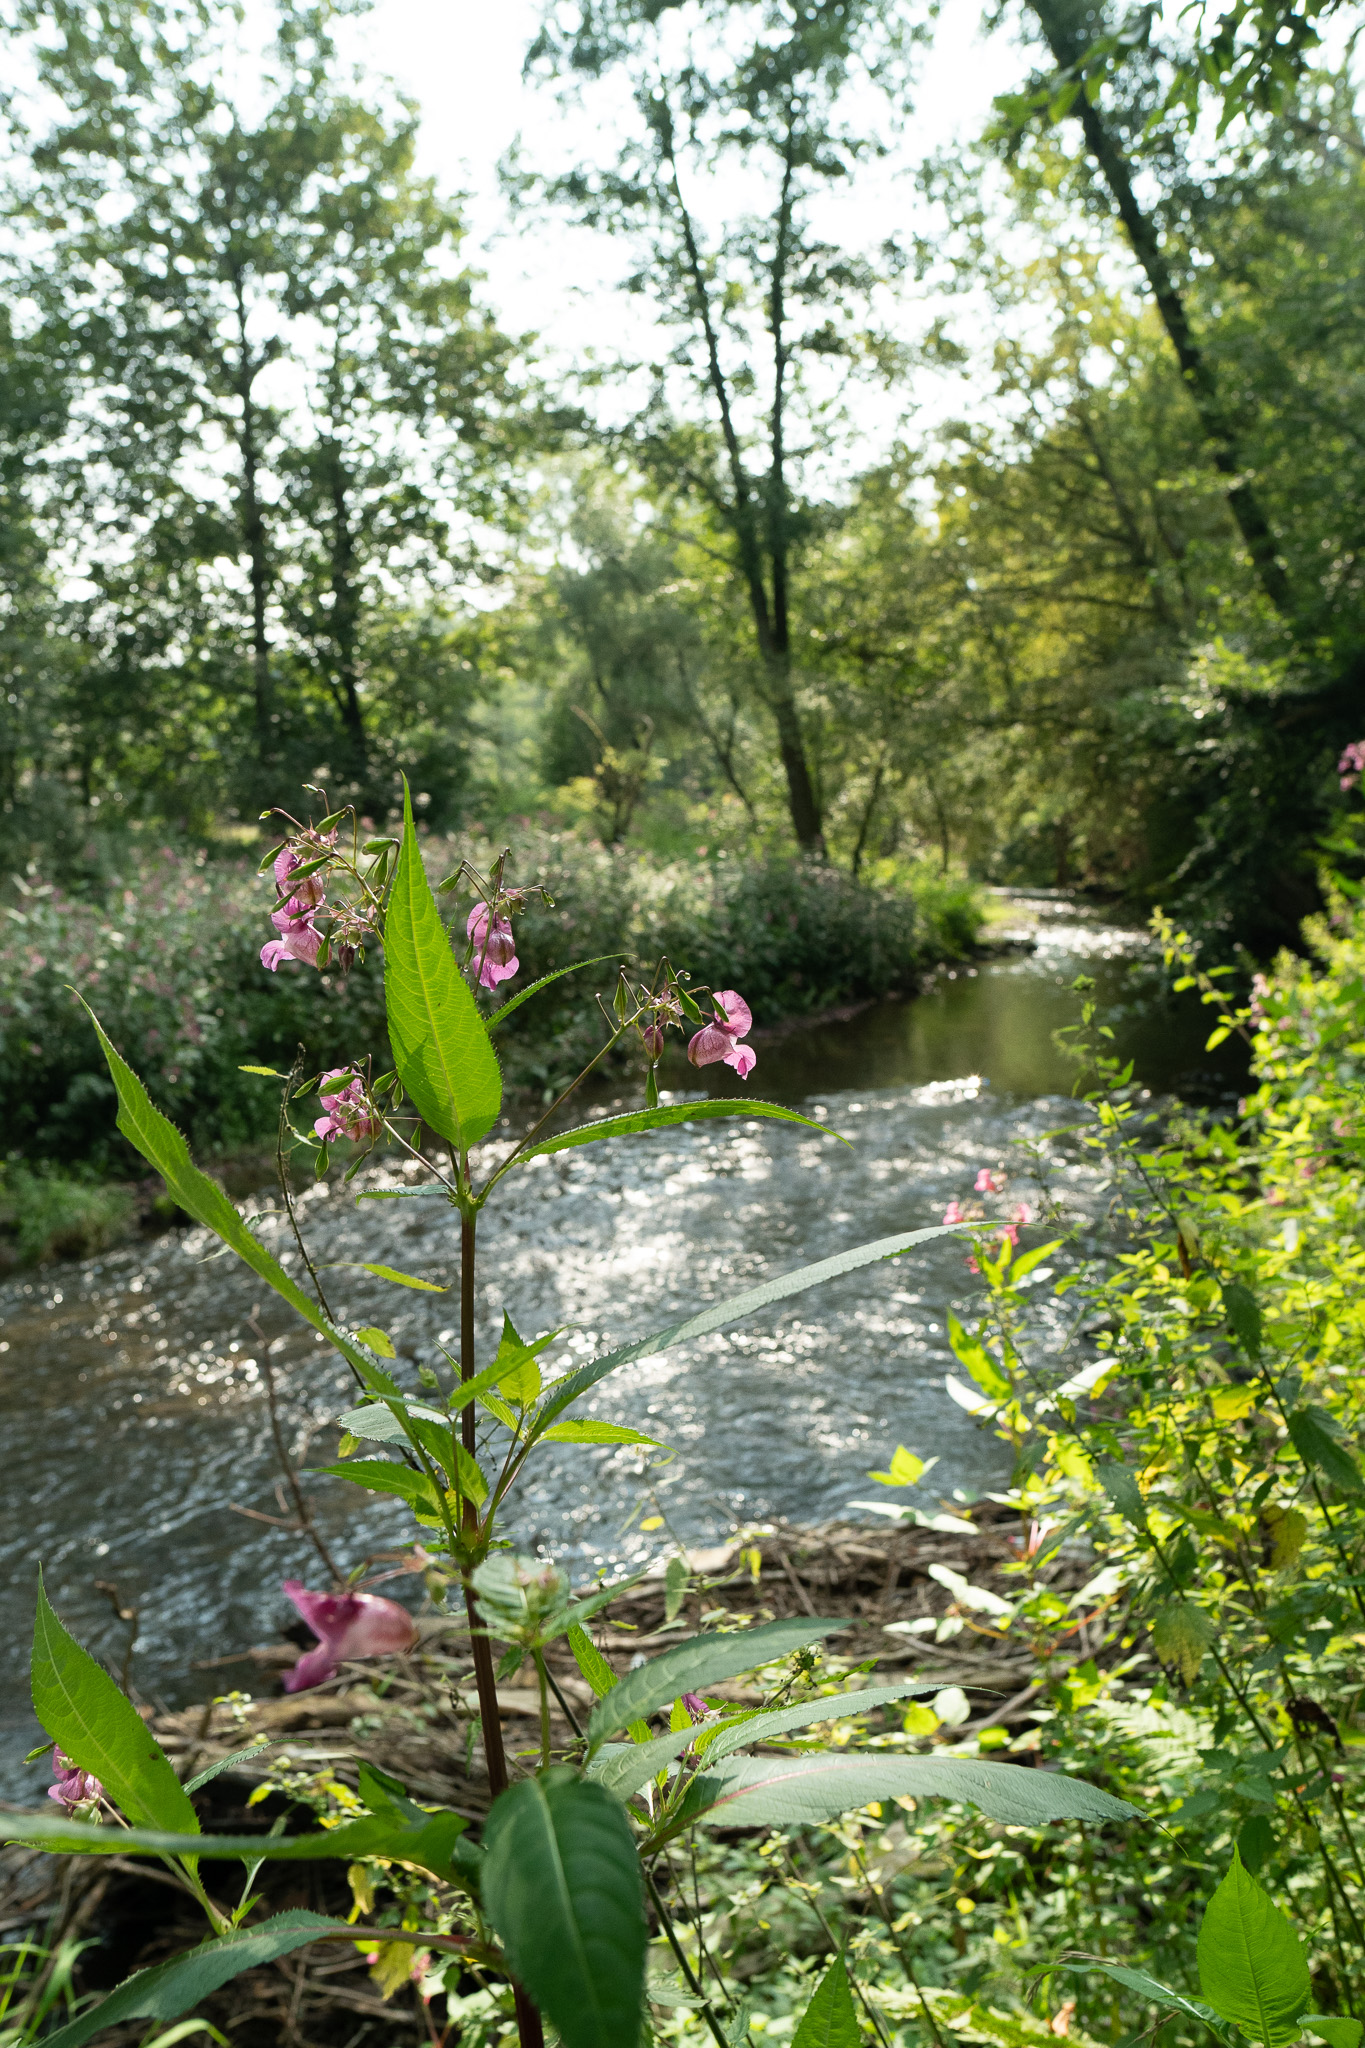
[1068, 48]
[254, 533]
[801, 799]
[869, 810]
[345, 620]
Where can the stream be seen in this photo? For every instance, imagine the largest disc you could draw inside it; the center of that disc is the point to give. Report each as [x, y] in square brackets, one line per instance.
[132, 1391]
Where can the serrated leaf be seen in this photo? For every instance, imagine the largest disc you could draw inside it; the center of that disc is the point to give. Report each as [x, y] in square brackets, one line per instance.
[590, 1432]
[1244, 1316]
[386, 1475]
[562, 1888]
[81, 1708]
[1336, 2032]
[435, 1844]
[764, 1727]
[597, 1671]
[702, 1660]
[801, 1790]
[1252, 1968]
[564, 1392]
[621, 1768]
[163, 1147]
[379, 1341]
[1318, 1447]
[1148, 1988]
[441, 1048]
[675, 1587]
[525, 994]
[669, 1114]
[830, 2020]
[1123, 1489]
[1182, 1633]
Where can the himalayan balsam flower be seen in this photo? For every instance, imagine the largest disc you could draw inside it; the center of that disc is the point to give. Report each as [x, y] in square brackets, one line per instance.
[986, 1182]
[695, 1705]
[718, 1040]
[1352, 764]
[295, 920]
[495, 950]
[348, 1113]
[653, 1037]
[74, 1787]
[347, 1625]
[953, 1212]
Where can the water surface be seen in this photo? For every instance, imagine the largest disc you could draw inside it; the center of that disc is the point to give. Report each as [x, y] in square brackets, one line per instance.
[131, 1387]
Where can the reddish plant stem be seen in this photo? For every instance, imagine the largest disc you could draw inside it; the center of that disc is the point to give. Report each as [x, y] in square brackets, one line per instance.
[529, 2030]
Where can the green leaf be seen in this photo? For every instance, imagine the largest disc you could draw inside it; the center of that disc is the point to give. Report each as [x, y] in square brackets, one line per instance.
[829, 1707]
[391, 1273]
[1182, 1633]
[1244, 1316]
[1337, 2033]
[164, 1992]
[971, 1353]
[702, 1660]
[1317, 1446]
[671, 1113]
[830, 2020]
[597, 1671]
[562, 1887]
[564, 1392]
[797, 1791]
[385, 1475]
[269, 1073]
[525, 994]
[379, 1341]
[163, 1147]
[1123, 1489]
[1023, 1266]
[440, 1047]
[87, 1716]
[1149, 1989]
[516, 1368]
[228, 1763]
[434, 1843]
[1252, 1967]
[587, 1432]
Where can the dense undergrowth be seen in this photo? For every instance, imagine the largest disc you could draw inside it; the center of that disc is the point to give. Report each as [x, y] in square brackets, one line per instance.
[170, 959]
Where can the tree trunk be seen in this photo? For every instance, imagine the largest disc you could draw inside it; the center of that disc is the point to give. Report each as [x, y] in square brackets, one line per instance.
[253, 533]
[1068, 48]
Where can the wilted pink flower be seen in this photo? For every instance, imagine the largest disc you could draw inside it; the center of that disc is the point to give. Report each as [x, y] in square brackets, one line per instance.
[953, 1212]
[347, 1625]
[986, 1182]
[495, 950]
[349, 1113]
[718, 1040]
[1352, 764]
[74, 1787]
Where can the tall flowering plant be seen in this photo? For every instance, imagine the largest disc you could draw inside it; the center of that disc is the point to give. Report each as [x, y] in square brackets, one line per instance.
[555, 1894]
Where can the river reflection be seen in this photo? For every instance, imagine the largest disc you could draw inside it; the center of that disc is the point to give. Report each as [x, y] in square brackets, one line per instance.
[132, 1399]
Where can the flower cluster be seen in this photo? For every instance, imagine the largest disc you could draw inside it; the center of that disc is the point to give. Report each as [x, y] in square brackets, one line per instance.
[346, 1625]
[1351, 766]
[74, 1787]
[491, 941]
[348, 1111]
[296, 917]
[988, 1182]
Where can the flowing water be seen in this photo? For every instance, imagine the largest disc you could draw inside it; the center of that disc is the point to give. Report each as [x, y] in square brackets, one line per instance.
[132, 1395]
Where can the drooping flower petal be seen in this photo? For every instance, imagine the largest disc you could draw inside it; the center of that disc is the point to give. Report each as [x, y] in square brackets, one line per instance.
[347, 1625]
[742, 1058]
[711, 1043]
[495, 950]
[739, 1017]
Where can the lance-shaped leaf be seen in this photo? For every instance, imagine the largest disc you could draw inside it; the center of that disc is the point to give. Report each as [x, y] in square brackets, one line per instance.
[433, 1842]
[748, 1792]
[810, 1714]
[385, 1475]
[441, 1047]
[830, 2020]
[164, 1149]
[1252, 1968]
[524, 995]
[703, 1660]
[562, 1888]
[87, 1716]
[1312, 1437]
[1149, 1989]
[564, 1392]
[670, 1113]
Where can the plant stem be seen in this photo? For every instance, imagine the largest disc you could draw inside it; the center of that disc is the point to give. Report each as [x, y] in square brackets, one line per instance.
[530, 2032]
[539, 1657]
[689, 1974]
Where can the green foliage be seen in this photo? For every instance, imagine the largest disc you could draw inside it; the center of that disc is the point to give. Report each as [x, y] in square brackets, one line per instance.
[830, 2020]
[440, 1044]
[1252, 1968]
[562, 1887]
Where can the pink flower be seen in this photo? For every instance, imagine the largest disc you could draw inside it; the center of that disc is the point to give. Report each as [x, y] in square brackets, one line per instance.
[1021, 1215]
[1352, 764]
[299, 938]
[307, 893]
[986, 1182]
[495, 950]
[695, 1705]
[718, 1040]
[1010, 1231]
[653, 1037]
[348, 1625]
[74, 1787]
[953, 1212]
[349, 1111]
